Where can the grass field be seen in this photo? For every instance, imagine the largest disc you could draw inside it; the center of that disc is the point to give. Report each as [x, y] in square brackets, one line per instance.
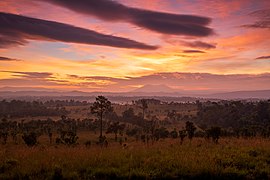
[230, 159]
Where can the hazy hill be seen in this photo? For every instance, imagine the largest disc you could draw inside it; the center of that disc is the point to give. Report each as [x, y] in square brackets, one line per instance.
[260, 94]
[145, 91]
[155, 88]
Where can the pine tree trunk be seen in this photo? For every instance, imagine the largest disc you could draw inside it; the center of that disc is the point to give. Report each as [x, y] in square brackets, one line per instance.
[100, 125]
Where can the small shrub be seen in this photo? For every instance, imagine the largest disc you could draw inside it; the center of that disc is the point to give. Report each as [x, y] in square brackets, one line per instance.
[67, 138]
[88, 143]
[214, 133]
[253, 153]
[58, 174]
[30, 139]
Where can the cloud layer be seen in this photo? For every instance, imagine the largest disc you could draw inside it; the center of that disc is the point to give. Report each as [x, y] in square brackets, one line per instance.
[180, 81]
[263, 57]
[186, 81]
[165, 23]
[263, 19]
[16, 30]
[7, 59]
[193, 51]
[200, 45]
[31, 75]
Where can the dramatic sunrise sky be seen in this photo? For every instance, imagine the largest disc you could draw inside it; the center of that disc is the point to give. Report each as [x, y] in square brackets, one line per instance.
[121, 45]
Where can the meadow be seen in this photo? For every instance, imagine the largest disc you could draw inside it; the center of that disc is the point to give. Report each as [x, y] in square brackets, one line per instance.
[221, 140]
[231, 158]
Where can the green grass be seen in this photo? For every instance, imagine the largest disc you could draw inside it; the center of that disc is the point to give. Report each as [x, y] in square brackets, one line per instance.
[231, 159]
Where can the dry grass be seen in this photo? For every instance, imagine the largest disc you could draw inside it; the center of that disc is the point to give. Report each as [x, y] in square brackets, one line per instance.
[232, 158]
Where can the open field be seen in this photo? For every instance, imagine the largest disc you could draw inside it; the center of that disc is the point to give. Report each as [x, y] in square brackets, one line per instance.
[230, 159]
[221, 140]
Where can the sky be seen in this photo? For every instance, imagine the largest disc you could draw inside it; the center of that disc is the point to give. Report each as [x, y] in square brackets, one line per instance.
[121, 45]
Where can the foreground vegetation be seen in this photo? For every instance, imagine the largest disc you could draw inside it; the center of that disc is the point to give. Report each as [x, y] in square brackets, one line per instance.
[231, 158]
[146, 139]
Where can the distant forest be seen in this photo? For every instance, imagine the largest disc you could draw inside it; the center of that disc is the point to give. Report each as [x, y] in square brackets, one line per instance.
[247, 118]
[18, 108]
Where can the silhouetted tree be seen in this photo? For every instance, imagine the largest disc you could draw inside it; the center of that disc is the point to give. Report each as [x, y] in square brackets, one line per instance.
[99, 107]
[30, 139]
[14, 133]
[143, 106]
[4, 125]
[182, 135]
[214, 133]
[172, 115]
[161, 132]
[116, 128]
[133, 131]
[174, 134]
[49, 133]
[4, 135]
[190, 128]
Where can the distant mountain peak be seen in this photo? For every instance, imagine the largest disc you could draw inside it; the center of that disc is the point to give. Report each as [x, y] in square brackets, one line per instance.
[155, 88]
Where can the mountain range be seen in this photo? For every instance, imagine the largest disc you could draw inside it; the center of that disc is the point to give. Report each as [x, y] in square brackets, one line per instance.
[147, 90]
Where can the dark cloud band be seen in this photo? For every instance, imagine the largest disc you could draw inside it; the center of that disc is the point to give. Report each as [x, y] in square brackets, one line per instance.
[193, 51]
[31, 75]
[16, 30]
[8, 59]
[161, 22]
[263, 57]
[200, 45]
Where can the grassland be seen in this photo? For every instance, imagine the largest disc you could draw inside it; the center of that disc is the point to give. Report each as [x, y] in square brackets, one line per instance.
[230, 159]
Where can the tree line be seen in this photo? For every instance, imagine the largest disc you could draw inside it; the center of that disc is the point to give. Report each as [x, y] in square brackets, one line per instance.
[238, 118]
[18, 108]
[213, 120]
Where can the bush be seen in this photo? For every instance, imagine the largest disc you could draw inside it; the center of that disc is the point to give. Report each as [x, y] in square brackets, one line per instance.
[30, 139]
[214, 133]
[68, 138]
